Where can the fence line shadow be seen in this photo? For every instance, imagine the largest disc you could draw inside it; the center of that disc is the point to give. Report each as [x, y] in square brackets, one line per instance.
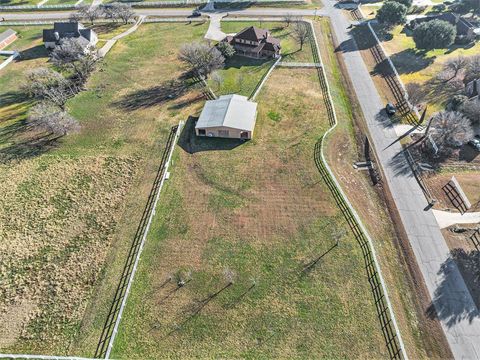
[120, 292]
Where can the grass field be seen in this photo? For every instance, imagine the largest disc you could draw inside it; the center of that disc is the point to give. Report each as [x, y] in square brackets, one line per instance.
[71, 206]
[261, 210]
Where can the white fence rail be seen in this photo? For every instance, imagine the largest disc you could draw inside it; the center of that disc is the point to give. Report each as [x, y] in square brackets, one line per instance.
[352, 209]
[173, 3]
[390, 62]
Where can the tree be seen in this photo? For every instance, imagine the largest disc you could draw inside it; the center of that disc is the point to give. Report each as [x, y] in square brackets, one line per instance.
[434, 34]
[91, 13]
[120, 11]
[473, 69]
[201, 58]
[456, 102]
[48, 117]
[226, 49]
[300, 33]
[217, 79]
[454, 66]
[288, 19]
[471, 109]
[407, 3]
[392, 13]
[70, 55]
[416, 93]
[75, 17]
[471, 5]
[450, 129]
[46, 84]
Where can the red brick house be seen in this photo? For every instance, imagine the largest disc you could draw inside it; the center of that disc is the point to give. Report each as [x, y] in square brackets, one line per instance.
[255, 42]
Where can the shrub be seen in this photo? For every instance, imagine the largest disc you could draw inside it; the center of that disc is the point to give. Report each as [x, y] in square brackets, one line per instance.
[407, 3]
[456, 102]
[226, 49]
[435, 34]
[392, 13]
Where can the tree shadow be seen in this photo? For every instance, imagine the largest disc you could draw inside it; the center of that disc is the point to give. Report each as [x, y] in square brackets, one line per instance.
[154, 96]
[410, 61]
[400, 165]
[12, 98]
[25, 149]
[467, 153]
[32, 53]
[449, 304]
[192, 143]
[105, 28]
[238, 62]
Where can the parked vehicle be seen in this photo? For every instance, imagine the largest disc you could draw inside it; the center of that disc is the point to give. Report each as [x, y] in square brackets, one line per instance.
[475, 143]
[196, 13]
[390, 109]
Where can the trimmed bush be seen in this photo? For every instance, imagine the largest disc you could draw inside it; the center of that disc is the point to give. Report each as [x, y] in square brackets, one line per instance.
[392, 13]
[435, 34]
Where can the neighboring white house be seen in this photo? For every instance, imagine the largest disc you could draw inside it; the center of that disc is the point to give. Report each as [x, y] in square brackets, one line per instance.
[67, 30]
[229, 116]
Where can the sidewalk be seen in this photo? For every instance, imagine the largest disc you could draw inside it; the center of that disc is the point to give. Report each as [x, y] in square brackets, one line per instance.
[453, 302]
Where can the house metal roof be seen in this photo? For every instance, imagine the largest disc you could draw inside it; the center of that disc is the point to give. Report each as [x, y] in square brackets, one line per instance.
[68, 30]
[232, 111]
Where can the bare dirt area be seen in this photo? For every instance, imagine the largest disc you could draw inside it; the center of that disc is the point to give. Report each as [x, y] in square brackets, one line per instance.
[470, 183]
[260, 210]
[423, 337]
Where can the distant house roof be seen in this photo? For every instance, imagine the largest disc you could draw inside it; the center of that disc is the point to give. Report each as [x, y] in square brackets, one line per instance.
[63, 30]
[232, 111]
[252, 33]
[6, 34]
[464, 27]
[261, 36]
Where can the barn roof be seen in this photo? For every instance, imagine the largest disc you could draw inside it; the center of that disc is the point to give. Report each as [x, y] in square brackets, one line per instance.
[232, 111]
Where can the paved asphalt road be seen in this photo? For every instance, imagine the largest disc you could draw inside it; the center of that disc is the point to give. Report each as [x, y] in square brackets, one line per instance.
[57, 15]
[453, 303]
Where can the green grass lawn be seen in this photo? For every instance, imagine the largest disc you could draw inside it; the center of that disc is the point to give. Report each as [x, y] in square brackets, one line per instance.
[422, 66]
[18, 2]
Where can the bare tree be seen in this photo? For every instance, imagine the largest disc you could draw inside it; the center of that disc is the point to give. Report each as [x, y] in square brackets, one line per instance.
[229, 276]
[72, 56]
[287, 19]
[120, 11]
[46, 84]
[450, 129]
[75, 17]
[455, 66]
[217, 79]
[201, 58]
[300, 33]
[91, 13]
[471, 109]
[48, 117]
[473, 69]
[416, 93]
